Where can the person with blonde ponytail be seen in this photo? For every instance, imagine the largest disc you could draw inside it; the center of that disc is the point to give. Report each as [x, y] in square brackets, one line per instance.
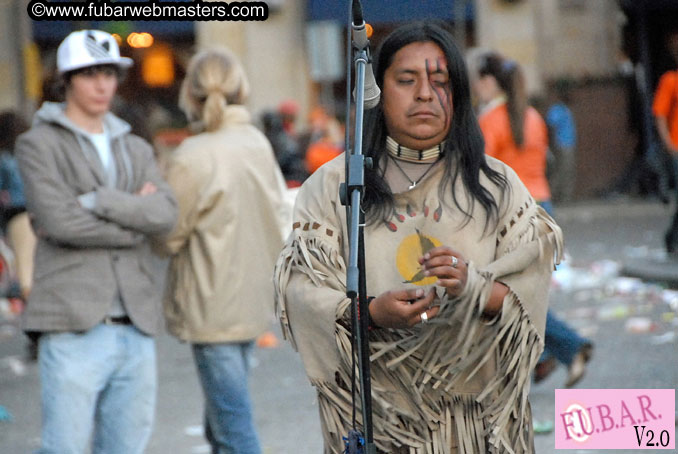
[219, 294]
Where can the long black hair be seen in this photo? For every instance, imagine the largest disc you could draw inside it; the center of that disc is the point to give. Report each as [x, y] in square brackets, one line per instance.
[511, 80]
[464, 152]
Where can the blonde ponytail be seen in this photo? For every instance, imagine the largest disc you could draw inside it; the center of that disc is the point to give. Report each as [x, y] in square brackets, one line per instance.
[214, 80]
[213, 110]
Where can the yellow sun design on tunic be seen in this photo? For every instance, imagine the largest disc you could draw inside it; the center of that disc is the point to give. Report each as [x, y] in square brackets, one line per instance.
[407, 258]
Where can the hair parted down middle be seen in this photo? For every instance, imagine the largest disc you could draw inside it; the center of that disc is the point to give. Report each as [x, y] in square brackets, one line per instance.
[464, 152]
[214, 79]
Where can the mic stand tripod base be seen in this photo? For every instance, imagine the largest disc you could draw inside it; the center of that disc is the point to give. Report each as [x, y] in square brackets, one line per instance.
[355, 444]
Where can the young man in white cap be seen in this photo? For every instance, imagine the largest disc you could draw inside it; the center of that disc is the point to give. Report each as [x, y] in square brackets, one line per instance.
[96, 197]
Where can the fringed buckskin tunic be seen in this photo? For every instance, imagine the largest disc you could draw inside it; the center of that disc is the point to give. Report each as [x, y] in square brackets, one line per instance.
[458, 384]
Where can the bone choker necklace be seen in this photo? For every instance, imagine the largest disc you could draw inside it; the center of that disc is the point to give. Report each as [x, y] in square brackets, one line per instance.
[407, 154]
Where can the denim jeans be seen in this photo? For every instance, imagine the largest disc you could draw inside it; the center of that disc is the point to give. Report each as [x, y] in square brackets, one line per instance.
[223, 370]
[561, 341]
[671, 235]
[99, 385]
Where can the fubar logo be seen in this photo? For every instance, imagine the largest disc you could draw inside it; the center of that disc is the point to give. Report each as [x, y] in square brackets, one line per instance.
[615, 418]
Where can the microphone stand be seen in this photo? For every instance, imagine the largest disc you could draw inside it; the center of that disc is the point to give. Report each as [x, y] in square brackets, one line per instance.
[351, 192]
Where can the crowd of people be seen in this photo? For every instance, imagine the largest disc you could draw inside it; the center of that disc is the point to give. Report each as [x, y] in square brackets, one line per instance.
[460, 242]
[299, 154]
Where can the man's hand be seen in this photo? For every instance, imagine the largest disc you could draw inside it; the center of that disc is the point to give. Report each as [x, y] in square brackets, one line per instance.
[403, 308]
[147, 189]
[448, 266]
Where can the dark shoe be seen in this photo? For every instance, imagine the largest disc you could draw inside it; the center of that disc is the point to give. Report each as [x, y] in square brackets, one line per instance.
[664, 198]
[669, 244]
[577, 369]
[544, 368]
[32, 350]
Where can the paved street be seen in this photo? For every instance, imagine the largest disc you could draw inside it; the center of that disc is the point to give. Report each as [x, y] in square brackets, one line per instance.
[631, 323]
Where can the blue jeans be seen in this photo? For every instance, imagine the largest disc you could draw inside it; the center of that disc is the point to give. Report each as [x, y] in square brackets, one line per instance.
[561, 341]
[671, 235]
[223, 370]
[98, 385]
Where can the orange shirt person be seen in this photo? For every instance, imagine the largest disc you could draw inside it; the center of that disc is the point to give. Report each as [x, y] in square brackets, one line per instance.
[326, 139]
[319, 153]
[665, 110]
[514, 132]
[528, 160]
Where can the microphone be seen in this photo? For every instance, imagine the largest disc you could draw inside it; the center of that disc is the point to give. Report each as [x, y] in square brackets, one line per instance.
[357, 12]
[372, 91]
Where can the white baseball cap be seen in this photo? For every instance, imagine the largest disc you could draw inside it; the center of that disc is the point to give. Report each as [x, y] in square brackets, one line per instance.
[89, 48]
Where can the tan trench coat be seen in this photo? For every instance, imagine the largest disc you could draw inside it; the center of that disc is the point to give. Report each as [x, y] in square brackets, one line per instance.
[228, 236]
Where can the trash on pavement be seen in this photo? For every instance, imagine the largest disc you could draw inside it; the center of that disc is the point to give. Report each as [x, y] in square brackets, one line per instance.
[666, 338]
[668, 317]
[268, 340]
[15, 364]
[5, 415]
[670, 297]
[542, 427]
[605, 268]
[194, 431]
[569, 279]
[640, 325]
[614, 312]
[627, 286]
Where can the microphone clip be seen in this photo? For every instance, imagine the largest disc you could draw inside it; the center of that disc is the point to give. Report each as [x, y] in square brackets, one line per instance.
[360, 41]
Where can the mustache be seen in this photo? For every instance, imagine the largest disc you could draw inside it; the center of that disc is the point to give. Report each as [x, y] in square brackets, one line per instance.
[432, 109]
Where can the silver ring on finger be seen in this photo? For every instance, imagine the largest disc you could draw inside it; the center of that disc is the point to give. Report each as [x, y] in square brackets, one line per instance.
[424, 317]
[455, 261]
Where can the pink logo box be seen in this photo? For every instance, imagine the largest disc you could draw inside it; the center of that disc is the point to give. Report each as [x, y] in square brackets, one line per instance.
[615, 418]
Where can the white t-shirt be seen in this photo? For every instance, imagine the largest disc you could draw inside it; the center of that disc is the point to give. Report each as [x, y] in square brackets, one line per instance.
[102, 143]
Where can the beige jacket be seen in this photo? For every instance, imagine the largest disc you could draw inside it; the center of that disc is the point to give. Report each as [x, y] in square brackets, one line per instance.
[458, 384]
[228, 236]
